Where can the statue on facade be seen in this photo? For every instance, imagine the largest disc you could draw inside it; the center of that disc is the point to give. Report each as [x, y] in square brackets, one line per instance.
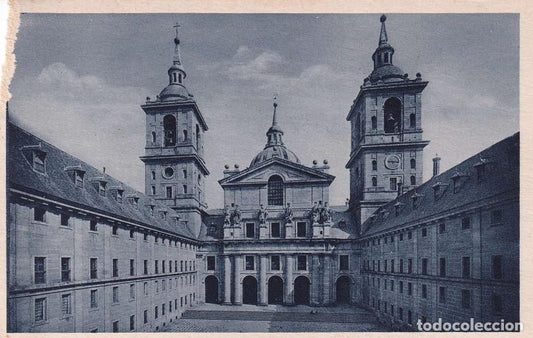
[315, 213]
[289, 215]
[227, 216]
[236, 215]
[325, 213]
[263, 214]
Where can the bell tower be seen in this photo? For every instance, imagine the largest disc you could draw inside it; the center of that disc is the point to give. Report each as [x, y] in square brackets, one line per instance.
[386, 134]
[175, 169]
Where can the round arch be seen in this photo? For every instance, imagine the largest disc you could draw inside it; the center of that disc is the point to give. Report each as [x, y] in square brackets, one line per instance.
[211, 289]
[343, 288]
[275, 290]
[392, 115]
[302, 290]
[275, 190]
[169, 127]
[249, 290]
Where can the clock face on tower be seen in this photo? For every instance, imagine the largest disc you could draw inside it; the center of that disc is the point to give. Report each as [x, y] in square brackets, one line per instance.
[392, 162]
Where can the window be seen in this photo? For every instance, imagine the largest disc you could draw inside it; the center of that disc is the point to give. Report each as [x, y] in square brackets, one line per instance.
[210, 263]
[343, 262]
[301, 229]
[275, 230]
[93, 268]
[249, 262]
[40, 310]
[410, 265]
[496, 217]
[169, 127]
[78, 178]
[156, 312]
[410, 289]
[145, 266]
[145, 316]
[497, 307]
[302, 262]
[409, 317]
[442, 267]
[156, 266]
[132, 233]
[374, 123]
[184, 173]
[412, 121]
[94, 299]
[392, 115]
[250, 230]
[392, 263]
[115, 326]
[169, 192]
[145, 288]
[497, 267]
[132, 322]
[115, 267]
[275, 190]
[115, 294]
[401, 287]
[393, 185]
[65, 220]
[401, 265]
[40, 270]
[466, 267]
[442, 294]
[374, 165]
[65, 269]
[38, 161]
[400, 313]
[413, 180]
[374, 181]
[153, 175]
[465, 299]
[163, 265]
[465, 223]
[424, 266]
[184, 188]
[115, 229]
[101, 188]
[132, 267]
[424, 291]
[163, 309]
[39, 214]
[424, 232]
[185, 136]
[66, 306]
[93, 225]
[401, 237]
[275, 263]
[409, 235]
[442, 228]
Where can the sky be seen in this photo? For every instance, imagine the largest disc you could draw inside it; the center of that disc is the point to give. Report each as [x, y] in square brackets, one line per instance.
[80, 80]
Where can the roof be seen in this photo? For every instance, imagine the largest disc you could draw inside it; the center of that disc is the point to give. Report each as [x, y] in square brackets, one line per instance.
[57, 185]
[436, 196]
[279, 151]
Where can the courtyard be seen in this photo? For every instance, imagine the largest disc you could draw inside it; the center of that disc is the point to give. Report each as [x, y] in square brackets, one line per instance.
[275, 318]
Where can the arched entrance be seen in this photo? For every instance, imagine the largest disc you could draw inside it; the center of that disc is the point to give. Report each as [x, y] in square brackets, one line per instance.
[211, 289]
[301, 290]
[343, 290]
[249, 290]
[275, 290]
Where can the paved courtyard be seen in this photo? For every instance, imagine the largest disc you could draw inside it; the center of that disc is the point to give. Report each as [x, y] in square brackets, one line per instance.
[275, 318]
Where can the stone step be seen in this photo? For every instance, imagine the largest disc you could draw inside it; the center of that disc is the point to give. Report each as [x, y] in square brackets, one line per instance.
[280, 316]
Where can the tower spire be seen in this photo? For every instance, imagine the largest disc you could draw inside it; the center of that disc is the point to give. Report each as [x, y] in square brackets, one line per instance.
[274, 117]
[176, 72]
[383, 39]
[274, 133]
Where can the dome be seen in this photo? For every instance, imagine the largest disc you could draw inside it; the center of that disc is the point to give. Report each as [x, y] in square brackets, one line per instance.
[279, 151]
[174, 91]
[386, 73]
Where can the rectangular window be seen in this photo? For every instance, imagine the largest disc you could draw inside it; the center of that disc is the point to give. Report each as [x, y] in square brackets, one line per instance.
[424, 266]
[401, 265]
[401, 287]
[275, 231]
[392, 264]
[442, 228]
[465, 299]
[400, 313]
[65, 220]
[393, 184]
[145, 266]
[39, 270]
[115, 326]
[94, 268]
[210, 263]
[442, 294]
[301, 228]
[39, 214]
[132, 291]
[132, 267]
[275, 263]
[250, 230]
[169, 192]
[302, 262]
[442, 267]
[156, 312]
[163, 309]
[410, 265]
[496, 217]
[392, 285]
[93, 225]
[465, 223]
[145, 288]
[115, 267]
[163, 265]
[94, 299]
[156, 266]
[409, 235]
[115, 294]
[343, 262]
[249, 263]
[114, 230]
[401, 237]
[184, 188]
[497, 267]
[424, 232]
[132, 233]
[424, 291]
[40, 309]
[410, 289]
[466, 267]
[132, 322]
[66, 306]
[145, 316]
[65, 269]
[145, 236]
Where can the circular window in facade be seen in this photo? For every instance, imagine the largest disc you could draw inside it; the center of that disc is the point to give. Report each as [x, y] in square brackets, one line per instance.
[168, 172]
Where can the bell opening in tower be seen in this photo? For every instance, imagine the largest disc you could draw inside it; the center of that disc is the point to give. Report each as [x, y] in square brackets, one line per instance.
[392, 111]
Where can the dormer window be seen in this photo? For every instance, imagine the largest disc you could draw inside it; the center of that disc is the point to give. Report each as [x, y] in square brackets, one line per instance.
[416, 200]
[102, 188]
[38, 161]
[120, 193]
[163, 214]
[76, 174]
[36, 157]
[397, 208]
[134, 200]
[457, 180]
[438, 190]
[152, 210]
[481, 169]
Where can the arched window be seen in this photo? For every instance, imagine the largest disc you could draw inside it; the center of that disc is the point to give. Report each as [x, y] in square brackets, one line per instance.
[169, 125]
[412, 121]
[413, 180]
[386, 58]
[275, 190]
[374, 123]
[374, 181]
[153, 137]
[392, 115]
[185, 136]
[374, 165]
[413, 163]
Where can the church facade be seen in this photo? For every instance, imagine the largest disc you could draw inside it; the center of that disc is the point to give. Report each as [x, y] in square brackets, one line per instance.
[124, 260]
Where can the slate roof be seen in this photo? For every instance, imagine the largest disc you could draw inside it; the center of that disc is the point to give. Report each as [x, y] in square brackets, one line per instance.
[57, 185]
[501, 180]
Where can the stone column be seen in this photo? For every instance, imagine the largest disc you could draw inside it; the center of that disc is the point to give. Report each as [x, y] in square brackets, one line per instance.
[227, 280]
[263, 284]
[237, 285]
[315, 279]
[289, 286]
[326, 280]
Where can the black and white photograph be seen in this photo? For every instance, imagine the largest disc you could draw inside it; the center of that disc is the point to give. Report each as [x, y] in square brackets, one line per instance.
[263, 172]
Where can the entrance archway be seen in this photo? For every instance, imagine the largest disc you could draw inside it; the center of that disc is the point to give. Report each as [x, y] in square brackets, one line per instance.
[343, 290]
[211, 289]
[249, 290]
[275, 290]
[301, 290]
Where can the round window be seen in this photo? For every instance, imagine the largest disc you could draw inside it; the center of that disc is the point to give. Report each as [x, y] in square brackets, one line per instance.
[169, 172]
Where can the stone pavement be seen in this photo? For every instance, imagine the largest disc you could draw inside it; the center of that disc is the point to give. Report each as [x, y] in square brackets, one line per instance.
[275, 318]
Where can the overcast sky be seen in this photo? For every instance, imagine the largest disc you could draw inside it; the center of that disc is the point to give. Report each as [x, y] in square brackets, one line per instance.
[80, 80]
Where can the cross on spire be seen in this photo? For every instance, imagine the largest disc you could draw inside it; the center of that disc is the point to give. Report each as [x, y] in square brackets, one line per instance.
[176, 40]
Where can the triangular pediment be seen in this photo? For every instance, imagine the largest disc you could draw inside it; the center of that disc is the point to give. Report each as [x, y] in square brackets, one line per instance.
[290, 173]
